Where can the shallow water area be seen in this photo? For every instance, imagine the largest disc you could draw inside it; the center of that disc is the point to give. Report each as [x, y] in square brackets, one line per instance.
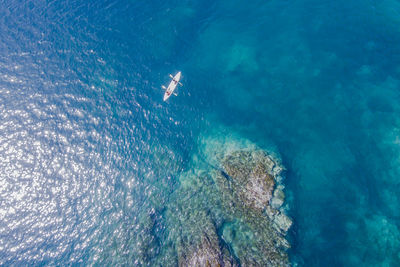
[96, 169]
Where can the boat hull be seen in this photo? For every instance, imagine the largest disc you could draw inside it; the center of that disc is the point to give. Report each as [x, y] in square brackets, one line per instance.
[172, 85]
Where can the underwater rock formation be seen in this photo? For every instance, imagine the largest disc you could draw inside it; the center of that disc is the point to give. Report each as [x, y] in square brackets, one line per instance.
[252, 185]
[206, 250]
[249, 174]
[230, 212]
[248, 185]
[192, 220]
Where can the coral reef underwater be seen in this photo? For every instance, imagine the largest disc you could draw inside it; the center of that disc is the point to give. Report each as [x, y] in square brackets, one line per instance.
[229, 209]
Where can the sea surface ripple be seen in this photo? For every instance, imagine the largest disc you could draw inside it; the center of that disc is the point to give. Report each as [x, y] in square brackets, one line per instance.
[91, 157]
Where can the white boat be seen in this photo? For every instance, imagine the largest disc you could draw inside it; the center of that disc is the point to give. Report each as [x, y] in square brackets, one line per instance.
[172, 85]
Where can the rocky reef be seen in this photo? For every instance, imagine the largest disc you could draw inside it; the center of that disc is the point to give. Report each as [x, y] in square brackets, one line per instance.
[207, 250]
[229, 210]
[250, 183]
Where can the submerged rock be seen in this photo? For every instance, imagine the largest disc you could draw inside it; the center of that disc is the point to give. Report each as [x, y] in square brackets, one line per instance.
[193, 227]
[248, 189]
[207, 251]
[252, 180]
[282, 221]
[278, 198]
[230, 212]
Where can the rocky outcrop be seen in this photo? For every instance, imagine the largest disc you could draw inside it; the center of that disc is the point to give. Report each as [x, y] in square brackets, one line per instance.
[255, 185]
[250, 178]
[232, 211]
[205, 251]
[248, 183]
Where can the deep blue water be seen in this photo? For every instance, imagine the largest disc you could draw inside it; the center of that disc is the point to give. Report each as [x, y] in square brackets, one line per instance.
[90, 155]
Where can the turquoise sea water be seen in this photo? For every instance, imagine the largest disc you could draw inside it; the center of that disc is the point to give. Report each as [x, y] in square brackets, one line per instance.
[93, 162]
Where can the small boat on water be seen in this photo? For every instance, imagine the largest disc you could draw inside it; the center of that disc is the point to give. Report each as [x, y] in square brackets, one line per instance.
[172, 85]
